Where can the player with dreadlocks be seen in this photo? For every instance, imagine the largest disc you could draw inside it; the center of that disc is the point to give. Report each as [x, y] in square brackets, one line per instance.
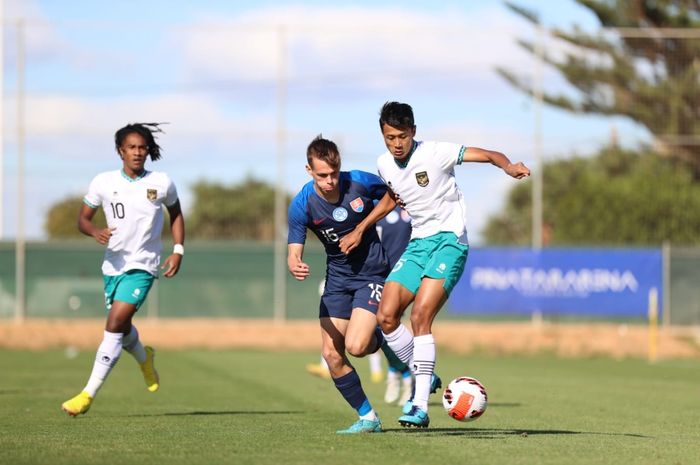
[132, 199]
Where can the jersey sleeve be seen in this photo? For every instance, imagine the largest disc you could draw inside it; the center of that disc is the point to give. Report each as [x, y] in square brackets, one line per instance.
[449, 154]
[93, 198]
[373, 183]
[296, 221]
[171, 194]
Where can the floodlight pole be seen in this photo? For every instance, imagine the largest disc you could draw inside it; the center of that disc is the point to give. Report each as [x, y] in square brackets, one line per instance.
[280, 268]
[20, 246]
[537, 148]
[2, 118]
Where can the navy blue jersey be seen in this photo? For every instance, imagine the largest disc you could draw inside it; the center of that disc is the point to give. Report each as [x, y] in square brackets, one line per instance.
[395, 232]
[331, 221]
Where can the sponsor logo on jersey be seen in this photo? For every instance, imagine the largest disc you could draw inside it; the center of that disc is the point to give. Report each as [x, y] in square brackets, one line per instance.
[340, 214]
[357, 205]
[422, 178]
[317, 221]
[151, 194]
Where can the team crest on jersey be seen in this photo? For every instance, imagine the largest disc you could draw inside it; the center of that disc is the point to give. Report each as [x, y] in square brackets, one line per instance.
[151, 194]
[340, 214]
[422, 178]
[357, 205]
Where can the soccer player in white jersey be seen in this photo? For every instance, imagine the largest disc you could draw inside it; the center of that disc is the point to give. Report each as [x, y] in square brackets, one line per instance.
[132, 199]
[420, 176]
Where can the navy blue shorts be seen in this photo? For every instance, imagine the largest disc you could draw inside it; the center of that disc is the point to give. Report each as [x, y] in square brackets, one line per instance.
[339, 300]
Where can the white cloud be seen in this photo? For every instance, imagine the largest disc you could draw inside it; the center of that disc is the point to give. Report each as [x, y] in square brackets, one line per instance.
[56, 115]
[366, 46]
[41, 39]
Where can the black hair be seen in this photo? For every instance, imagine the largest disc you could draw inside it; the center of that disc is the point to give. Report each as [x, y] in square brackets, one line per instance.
[324, 150]
[145, 130]
[398, 115]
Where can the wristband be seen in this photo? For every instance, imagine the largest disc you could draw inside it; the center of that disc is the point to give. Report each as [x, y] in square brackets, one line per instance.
[179, 249]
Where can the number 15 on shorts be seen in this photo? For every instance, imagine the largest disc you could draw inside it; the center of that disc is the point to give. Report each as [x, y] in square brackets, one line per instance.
[376, 291]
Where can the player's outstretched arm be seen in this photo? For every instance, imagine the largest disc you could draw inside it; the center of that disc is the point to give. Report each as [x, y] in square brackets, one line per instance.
[296, 266]
[516, 170]
[177, 228]
[86, 226]
[354, 238]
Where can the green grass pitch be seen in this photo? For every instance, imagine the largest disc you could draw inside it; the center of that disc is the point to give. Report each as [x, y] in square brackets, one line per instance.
[256, 407]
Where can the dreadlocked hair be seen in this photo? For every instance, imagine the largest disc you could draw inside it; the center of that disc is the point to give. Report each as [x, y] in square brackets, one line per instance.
[145, 130]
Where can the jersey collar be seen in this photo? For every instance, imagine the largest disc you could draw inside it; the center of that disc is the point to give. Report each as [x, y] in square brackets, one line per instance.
[124, 175]
[403, 164]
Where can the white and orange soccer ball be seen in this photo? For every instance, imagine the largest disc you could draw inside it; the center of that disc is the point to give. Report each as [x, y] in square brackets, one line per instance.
[465, 399]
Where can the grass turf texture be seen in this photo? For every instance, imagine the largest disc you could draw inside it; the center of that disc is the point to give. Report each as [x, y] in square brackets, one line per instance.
[253, 407]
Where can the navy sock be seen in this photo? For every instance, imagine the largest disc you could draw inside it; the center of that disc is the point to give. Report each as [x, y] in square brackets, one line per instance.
[394, 361]
[350, 388]
[379, 336]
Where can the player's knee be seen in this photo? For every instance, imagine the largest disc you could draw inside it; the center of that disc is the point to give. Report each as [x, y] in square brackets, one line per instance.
[356, 348]
[388, 323]
[332, 358]
[421, 320]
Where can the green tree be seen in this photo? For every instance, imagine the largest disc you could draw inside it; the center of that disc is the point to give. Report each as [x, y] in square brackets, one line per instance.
[243, 211]
[639, 71]
[62, 219]
[618, 197]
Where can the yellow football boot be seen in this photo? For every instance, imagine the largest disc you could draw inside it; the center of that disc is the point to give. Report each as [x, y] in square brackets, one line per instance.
[150, 375]
[77, 405]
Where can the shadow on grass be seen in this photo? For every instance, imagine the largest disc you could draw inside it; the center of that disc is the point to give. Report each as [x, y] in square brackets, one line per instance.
[493, 433]
[222, 412]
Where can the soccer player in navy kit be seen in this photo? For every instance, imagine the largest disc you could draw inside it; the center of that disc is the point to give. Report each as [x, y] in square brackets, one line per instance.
[395, 232]
[331, 205]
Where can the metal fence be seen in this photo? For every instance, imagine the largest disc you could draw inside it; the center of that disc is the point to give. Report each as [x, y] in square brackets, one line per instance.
[245, 98]
[235, 280]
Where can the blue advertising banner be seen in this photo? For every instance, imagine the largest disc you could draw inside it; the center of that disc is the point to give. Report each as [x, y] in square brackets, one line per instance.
[600, 282]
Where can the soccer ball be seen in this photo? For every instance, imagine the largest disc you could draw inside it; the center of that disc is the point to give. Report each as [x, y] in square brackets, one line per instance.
[465, 399]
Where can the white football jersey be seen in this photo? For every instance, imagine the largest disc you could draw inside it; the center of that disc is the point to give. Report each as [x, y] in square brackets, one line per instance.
[134, 208]
[428, 188]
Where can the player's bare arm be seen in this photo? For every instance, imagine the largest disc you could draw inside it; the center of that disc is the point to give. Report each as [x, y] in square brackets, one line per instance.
[86, 226]
[296, 266]
[353, 238]
[171, 265]
[478, 155]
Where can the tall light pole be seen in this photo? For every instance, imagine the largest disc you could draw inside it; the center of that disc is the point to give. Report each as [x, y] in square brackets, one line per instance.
[280, 269]
[537, 146]
[2, 118]
[20, 252]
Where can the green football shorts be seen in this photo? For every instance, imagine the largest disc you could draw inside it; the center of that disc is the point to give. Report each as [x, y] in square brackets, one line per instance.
[439, 256]
[131, 287]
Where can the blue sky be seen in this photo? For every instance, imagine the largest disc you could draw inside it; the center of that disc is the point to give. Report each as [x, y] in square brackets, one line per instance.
[211, 70]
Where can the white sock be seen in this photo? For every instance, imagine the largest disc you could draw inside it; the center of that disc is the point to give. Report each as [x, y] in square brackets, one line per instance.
[371, 415]
[107, 356]
[375, 363]
[424, 356]
[132, 344]
[401, 342]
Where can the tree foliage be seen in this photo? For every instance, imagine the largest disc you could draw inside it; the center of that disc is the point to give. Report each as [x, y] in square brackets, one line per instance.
[618, 197]
[62, 219]
[243, 211]
[644, 72]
